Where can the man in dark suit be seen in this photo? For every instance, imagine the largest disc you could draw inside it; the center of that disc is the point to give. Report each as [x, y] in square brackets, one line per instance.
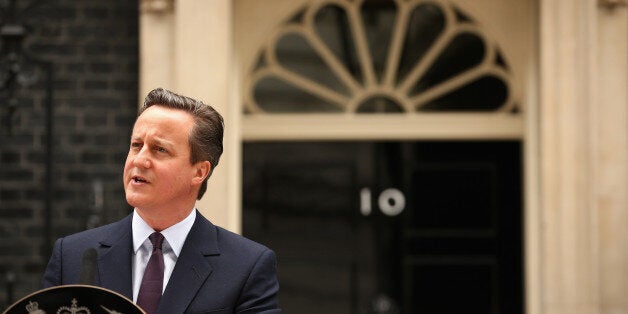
[165, 256]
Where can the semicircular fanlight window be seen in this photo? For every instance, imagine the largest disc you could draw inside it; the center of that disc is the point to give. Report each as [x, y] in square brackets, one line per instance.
[379, 57]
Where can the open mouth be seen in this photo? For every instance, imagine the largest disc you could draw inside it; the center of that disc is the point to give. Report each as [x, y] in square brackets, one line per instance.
[137, 179]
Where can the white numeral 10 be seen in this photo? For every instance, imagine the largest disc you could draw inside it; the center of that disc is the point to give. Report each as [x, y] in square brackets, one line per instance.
[391, 202]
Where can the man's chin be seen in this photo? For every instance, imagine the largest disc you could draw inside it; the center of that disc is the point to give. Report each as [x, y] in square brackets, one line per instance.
[135, 200]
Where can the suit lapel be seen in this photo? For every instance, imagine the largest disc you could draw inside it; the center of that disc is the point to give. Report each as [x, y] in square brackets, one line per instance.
[114, 259]
[192, 267]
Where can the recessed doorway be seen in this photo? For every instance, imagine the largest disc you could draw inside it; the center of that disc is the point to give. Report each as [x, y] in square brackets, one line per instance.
[389, 226]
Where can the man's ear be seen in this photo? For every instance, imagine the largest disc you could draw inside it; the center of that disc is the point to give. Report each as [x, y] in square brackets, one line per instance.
[202, 171]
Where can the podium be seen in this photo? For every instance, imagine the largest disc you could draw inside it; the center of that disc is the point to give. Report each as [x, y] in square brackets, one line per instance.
[74, 299]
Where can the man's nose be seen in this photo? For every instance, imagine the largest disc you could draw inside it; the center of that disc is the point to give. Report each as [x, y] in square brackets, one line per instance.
[142, 159]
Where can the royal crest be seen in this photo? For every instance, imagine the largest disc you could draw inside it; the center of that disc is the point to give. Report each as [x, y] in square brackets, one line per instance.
[74, 309]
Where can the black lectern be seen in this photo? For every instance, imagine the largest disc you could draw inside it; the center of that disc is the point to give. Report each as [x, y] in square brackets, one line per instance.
[74, 299]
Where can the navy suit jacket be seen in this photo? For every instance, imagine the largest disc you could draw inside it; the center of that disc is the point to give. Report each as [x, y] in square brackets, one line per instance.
[217, 271]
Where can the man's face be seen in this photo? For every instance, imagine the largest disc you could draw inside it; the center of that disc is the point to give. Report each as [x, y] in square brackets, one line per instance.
[158, 173]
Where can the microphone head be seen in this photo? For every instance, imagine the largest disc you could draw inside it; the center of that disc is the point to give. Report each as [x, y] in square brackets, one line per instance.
[88, 267]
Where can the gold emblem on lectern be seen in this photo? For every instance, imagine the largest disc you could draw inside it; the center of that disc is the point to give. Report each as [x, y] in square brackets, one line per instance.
[109, 311]
[33, 308]
[74, 309]
[55, 300]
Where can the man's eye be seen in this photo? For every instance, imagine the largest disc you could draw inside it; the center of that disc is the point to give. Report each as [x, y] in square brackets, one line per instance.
[136, 145]
[161, 150]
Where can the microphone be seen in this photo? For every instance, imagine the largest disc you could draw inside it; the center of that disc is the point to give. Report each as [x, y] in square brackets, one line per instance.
[88, 267]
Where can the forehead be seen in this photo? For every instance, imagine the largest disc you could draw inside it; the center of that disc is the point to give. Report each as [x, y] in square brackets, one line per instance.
[164, 121]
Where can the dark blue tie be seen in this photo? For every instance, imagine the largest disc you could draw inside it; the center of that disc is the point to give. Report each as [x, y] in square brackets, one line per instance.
[152, 282]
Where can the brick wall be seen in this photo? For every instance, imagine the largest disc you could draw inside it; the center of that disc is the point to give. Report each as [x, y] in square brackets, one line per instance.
[93, 46]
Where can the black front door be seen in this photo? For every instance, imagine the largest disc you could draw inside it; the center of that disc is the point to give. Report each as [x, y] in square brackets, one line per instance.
[389, 227]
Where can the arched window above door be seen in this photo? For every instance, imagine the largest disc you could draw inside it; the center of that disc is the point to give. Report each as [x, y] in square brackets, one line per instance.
[377, 56]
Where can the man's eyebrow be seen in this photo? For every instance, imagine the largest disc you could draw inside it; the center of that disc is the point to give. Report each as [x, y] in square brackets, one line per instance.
[156, 141]
[162, 142]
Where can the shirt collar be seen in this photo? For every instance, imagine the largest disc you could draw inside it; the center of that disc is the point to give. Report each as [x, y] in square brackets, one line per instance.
[175, 235]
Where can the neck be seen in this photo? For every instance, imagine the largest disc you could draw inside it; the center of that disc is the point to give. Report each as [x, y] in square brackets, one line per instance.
[160, 220]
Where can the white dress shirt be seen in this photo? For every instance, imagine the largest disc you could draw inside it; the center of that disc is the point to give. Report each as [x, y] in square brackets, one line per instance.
[174, 237]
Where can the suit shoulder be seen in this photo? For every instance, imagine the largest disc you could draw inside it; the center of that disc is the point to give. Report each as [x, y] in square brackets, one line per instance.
[115, 229]
[232, 241]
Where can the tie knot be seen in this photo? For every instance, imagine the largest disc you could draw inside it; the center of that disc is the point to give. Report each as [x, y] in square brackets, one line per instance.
[156, 239]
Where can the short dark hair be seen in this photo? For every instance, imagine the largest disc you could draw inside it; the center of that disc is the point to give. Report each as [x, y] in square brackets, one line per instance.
[205, 139]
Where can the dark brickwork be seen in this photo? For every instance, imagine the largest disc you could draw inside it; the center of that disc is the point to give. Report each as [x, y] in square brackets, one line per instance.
[93, 46]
